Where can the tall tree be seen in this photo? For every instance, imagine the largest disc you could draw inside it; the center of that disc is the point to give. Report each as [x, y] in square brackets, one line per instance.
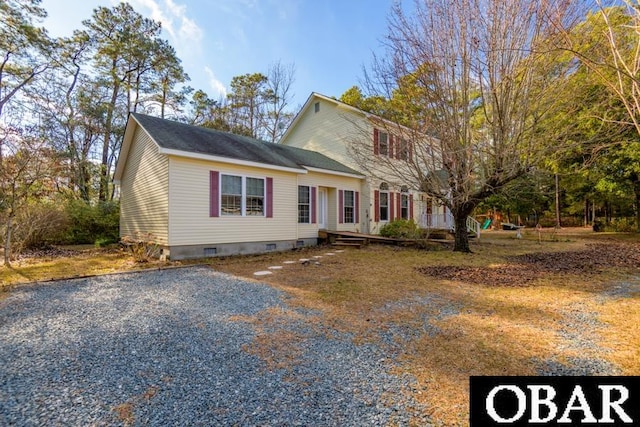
[23, 46]
[607, 42]
[279, 84]
[471, 76]
[247, 99]
[136, 67]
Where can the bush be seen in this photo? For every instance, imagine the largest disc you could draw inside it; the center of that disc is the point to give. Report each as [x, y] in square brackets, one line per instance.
[400, 229]
[95, 224]
[622, 225]
[35, 226]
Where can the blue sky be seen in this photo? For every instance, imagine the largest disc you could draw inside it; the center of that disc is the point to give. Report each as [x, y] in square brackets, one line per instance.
[329, 41]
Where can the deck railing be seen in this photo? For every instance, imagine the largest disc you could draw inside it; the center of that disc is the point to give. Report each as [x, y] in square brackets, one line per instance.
[445, 222]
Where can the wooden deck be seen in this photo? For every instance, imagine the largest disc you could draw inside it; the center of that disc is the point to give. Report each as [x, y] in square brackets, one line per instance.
[349, 238]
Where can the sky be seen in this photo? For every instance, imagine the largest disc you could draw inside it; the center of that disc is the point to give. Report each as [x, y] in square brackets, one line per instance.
[328, 41]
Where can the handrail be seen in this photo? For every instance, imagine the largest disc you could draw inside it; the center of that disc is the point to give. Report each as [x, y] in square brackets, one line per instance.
[473, 226]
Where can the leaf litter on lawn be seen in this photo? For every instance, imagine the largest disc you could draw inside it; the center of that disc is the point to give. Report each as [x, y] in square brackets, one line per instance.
[523, 270]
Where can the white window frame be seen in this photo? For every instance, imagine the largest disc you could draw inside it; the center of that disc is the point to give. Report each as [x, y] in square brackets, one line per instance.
[405, 197]
[387, 141]
[380, 205]
[243, 196]
[304, 204]
[344, 207]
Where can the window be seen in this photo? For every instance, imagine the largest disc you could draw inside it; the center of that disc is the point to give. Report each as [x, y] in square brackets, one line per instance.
[242, 196]
[255, 196]
[349, 206]
[404, 206]
[403, 149]
[383, 141]
[231, 200]
[304, 204]
[384, 206]
[316, 107]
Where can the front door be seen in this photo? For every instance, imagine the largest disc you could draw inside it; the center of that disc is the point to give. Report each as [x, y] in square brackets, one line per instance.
[322, 208]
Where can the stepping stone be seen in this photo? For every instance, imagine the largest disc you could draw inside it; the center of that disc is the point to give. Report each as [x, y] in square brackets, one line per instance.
[304, 260]
[330, 253]
[340, 251]
[262, 273]
[275, 267]
[289, 262]
[317, 256]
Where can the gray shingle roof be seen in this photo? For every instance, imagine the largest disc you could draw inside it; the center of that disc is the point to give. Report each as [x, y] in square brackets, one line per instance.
[195, 139]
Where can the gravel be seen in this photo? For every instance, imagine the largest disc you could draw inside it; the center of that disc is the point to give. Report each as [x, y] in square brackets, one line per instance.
[164, 348]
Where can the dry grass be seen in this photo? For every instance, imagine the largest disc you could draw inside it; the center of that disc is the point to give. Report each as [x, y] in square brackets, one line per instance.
[510, 297]
[84, 261]
[498, 330]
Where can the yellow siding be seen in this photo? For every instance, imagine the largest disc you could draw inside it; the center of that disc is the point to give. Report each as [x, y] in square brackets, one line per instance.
[330, 131]
[144, 202]
[190, 223]
[333, 183]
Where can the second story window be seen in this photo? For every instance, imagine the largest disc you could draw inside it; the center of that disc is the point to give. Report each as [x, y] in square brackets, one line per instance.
[383, 140]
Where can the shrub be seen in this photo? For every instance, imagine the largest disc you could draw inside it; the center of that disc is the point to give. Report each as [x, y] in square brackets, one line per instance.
[92, 223]
[622, 225]
[36, 225]
[400, 229]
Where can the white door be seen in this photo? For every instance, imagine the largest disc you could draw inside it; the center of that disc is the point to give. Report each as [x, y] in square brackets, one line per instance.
[322, 208]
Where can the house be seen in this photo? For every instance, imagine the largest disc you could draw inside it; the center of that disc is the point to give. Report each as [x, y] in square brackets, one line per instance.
[201, 192]
[353, 137]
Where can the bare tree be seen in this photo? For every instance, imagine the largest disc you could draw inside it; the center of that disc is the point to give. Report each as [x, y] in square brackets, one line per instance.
[608, 44]
[466, 79]
[24, 176]
[277, 119]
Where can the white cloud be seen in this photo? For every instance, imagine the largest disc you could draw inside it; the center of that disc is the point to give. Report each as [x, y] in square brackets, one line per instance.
[183, 31]
[219, 90]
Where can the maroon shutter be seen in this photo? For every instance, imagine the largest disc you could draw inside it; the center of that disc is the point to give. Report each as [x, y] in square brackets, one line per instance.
[444, 214]
[399, 205]
[214, 194]
[376, 142]
[410, 149]
[391, 142]
[376, 205]
[356, 215]
[340, 206]
[391, 206]
[313, 205]
[269, 197]
[410, 206]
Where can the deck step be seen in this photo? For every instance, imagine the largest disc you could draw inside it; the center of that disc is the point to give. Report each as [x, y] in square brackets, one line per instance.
[348, 244]
[354, 242]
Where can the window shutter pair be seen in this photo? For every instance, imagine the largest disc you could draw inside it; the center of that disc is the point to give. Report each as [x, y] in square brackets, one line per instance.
[214, 195]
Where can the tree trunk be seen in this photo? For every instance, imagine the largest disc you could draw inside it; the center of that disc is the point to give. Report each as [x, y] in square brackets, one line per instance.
[558, 224]
[637, 205]
[7, 242]
[461, 235]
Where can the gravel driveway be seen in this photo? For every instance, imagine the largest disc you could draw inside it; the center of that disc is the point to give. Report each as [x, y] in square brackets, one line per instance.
[165, 348]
